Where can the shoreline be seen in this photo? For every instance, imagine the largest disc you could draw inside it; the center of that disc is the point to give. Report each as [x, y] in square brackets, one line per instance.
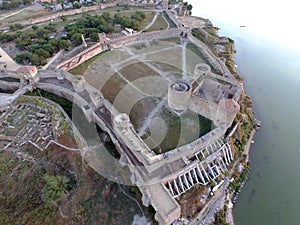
[229, 197]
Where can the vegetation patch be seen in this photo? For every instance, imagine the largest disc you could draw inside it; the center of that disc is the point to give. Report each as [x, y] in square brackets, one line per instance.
[159, 24]
[80, 69]
[197, 51]
[221, 47]
[136, 71]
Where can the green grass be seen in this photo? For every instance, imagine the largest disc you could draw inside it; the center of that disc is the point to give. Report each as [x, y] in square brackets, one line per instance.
[197, 51]
[136, 71]
[182, 130]
[147, 20]
[174, 40]
[159, 24]
[25, 15]
[80, 69]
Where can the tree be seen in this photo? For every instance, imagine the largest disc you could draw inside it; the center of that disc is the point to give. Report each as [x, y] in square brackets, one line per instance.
[54, 188]
[134, 24]
[126, 7]
[76, 5]
[23, 58]
[14, 4]
[16, 26]
[141, 14]
[63, 18]
[64, 44]
[27, 2]
[189, 7]
[36, 59]
[44, 53]
[34, 27]
[106, 16]
[76, 39]
[94, 36]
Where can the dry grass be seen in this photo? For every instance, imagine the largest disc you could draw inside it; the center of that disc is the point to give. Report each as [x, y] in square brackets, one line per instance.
[26, 14]
[136, 71]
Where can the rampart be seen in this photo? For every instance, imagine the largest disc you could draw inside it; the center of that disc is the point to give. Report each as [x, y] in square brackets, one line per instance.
[100, 47]
[81, 57]
[126, 140]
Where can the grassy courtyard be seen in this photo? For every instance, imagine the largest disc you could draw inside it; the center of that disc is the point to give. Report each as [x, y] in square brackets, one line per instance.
[135, 79]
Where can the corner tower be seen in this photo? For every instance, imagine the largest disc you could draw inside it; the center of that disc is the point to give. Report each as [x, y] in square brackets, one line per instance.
[179, 93]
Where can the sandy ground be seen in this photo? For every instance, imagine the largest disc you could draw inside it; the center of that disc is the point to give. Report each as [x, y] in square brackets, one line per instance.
[191, 21]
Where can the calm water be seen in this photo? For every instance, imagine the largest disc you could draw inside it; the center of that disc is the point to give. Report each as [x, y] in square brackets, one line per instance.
[269, 60]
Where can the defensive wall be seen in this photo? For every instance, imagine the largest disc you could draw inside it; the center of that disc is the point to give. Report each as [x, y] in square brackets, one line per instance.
[167, 210]
[81, 57]
[114, 43]
[127, 141]
[156, 194]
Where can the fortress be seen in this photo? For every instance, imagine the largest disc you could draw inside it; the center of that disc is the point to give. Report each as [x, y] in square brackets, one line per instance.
[160, 177]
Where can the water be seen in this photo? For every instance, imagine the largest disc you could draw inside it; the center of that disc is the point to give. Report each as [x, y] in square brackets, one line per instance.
[269, 60]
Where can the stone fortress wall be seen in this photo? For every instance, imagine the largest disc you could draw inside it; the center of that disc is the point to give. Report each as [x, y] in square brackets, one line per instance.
[127, 141]
[114, 43]
[167, 210]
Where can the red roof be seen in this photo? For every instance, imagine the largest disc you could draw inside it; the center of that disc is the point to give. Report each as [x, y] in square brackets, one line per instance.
[27, 70]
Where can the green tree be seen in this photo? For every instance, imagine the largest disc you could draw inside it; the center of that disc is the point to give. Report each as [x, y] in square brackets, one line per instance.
[23, 58]
[76, 39]
[141, 14]
[189, 7]
[64, 44]
[27, 2]
[54, 188]
[94, 36]
[76, 5]
[106, 16]
[34, 27]
[63, 18]
[126, 7]
[14, 4]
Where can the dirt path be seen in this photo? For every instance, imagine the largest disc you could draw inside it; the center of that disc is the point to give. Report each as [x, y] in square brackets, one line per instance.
[152, 22]
[4, 17]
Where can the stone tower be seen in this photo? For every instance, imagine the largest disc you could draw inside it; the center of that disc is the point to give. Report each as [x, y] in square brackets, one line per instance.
[201, 70]
[179, 93]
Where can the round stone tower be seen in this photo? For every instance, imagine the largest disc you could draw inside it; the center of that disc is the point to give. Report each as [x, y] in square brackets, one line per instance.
[179, 93]
[201, 70]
